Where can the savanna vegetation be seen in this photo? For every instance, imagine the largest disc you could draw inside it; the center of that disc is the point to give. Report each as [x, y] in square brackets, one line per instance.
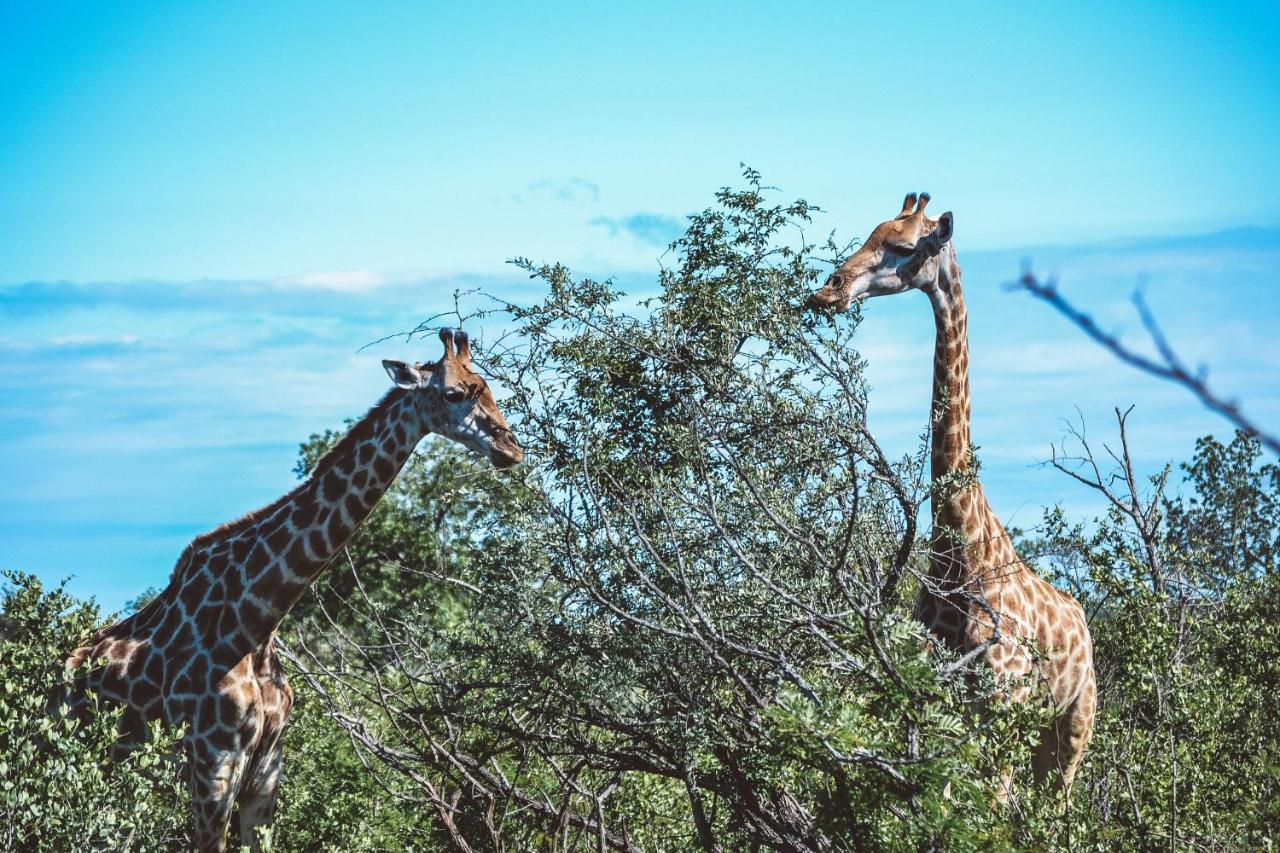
[684, 623]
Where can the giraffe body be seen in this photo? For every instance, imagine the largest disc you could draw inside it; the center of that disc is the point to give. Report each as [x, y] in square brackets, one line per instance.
[979, 592]
[201, 654]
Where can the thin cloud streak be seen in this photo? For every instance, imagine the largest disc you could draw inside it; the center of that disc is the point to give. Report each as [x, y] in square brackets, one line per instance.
[570, 190]
[652, 229]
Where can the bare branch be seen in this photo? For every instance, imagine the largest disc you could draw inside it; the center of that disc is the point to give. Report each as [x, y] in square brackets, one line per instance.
[1169, 366]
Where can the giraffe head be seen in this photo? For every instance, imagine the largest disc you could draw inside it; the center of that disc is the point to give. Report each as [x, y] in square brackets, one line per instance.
[457, 401]
[907, 252]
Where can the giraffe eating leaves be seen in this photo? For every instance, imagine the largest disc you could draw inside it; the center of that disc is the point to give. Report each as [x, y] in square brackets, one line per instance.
[202, 652]
[979, 592]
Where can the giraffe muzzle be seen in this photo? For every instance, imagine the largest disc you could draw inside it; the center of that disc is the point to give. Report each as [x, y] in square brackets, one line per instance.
[833, 295]
[505, 452]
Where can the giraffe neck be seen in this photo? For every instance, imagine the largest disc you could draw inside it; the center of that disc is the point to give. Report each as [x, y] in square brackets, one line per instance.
[294, 540]
[958, 504]
[950, 409]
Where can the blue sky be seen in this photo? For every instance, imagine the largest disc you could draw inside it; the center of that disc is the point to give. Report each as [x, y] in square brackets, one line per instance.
[206, 209]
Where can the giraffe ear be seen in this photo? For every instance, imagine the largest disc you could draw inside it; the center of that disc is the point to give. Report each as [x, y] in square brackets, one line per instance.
[405, 376]
[946, 225]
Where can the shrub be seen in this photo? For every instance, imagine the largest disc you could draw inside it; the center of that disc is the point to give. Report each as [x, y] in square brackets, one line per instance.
[59, 787]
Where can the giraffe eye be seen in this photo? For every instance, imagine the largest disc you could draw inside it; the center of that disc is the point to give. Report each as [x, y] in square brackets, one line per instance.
[455, 395]
[899, 250]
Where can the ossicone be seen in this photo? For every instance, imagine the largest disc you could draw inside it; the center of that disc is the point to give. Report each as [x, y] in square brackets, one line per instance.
[463, 340]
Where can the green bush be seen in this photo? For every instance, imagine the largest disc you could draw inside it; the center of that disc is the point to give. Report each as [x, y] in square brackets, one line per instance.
[59, 788]
[1183, 590]
[329, 800]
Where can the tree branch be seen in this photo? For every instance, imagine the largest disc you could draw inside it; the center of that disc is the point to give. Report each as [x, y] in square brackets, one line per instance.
[1169, 366]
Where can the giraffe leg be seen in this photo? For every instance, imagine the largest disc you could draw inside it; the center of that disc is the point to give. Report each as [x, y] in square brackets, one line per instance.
[258, 797]
[1004, 794]
[1062, 746]
[216, 775]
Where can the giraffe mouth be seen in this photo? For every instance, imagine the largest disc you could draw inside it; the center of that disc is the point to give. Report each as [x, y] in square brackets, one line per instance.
[832, 296]
[829, 300]
[505, 455]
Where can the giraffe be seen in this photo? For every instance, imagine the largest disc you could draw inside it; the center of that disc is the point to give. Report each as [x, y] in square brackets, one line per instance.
[202, 652]
[978, 589]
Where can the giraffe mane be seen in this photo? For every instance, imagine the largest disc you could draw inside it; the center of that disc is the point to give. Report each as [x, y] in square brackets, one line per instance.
[362, 431]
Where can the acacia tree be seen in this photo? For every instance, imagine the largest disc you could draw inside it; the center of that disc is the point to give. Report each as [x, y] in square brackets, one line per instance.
[686, 625]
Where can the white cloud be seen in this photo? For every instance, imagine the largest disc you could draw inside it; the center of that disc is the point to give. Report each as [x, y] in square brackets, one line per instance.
[80, 340]
[346, 281]
[571, 190]
[363, 281]
[650, 229]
